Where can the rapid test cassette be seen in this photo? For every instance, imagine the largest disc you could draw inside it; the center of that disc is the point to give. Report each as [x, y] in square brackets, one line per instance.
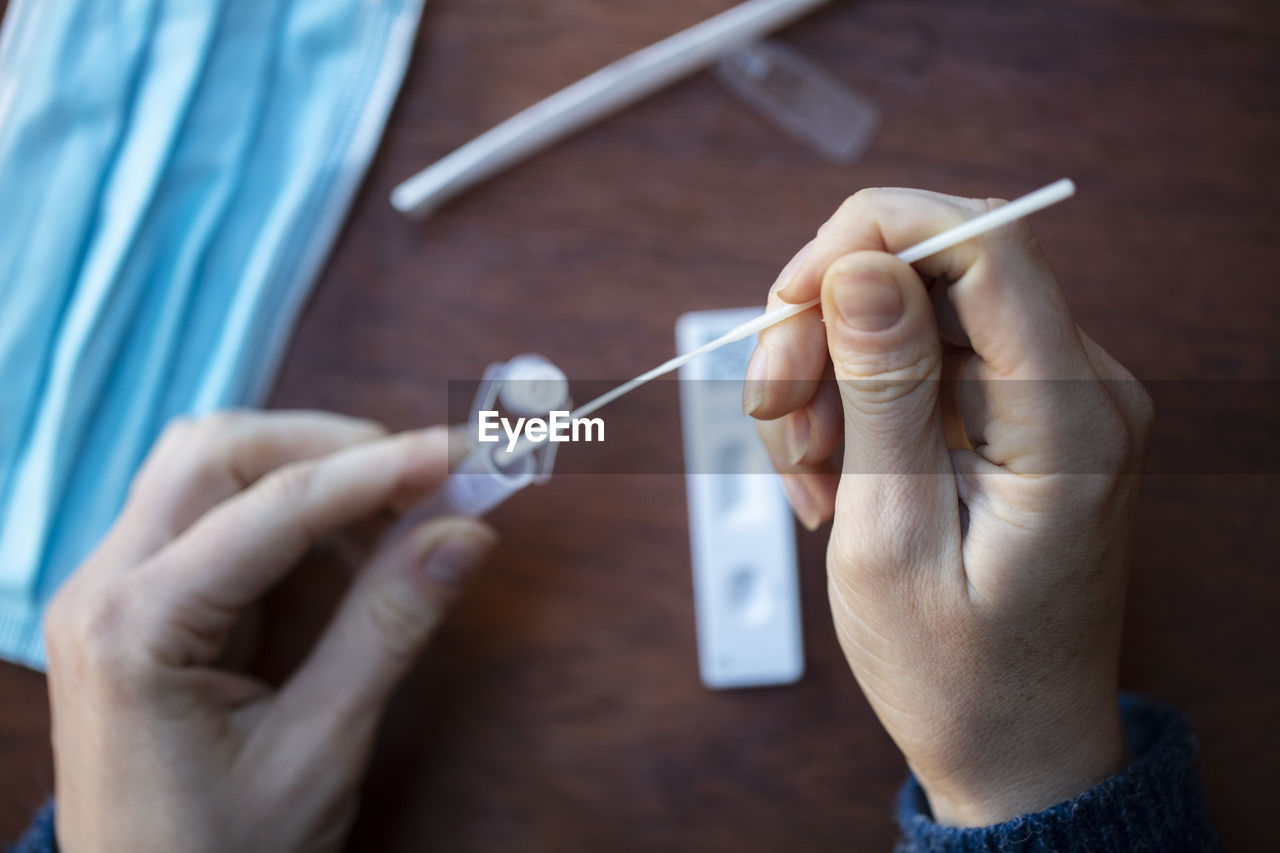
[745, 586]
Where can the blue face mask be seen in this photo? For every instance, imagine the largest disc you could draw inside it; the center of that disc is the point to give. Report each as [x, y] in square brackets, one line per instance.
[173, 173]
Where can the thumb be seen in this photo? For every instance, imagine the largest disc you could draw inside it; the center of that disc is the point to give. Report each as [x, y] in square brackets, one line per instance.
[385, 622]
[896, 487]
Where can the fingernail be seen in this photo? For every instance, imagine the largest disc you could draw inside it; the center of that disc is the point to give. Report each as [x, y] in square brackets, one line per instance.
[868, 301]
[796, 432]
[793, 267]
[753, 386]
[802, 502]
[456, 557]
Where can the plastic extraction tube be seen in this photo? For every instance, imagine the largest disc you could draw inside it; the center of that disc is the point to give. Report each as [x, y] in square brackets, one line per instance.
[609, 90]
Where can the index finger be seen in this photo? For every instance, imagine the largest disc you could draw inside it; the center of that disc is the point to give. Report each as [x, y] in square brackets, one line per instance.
[197, 464]
[788, 360]
[230, 557]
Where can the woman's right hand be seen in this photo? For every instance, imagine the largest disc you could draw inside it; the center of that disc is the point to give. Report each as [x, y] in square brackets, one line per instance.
[977, 588]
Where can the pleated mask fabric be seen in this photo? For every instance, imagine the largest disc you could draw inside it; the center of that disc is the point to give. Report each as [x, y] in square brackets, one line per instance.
[173, 174]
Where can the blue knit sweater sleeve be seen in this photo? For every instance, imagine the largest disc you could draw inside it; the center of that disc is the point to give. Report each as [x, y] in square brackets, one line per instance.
[39, 837]
[1155, 804]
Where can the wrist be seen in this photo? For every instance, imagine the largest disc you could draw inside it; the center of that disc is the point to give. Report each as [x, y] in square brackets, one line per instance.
[1026, 770]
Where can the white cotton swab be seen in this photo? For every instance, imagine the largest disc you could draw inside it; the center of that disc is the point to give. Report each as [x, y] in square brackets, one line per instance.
[989, 221]
[992, 219]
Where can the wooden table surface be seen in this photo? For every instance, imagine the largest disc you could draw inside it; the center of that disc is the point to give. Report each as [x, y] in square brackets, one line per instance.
[561, 709]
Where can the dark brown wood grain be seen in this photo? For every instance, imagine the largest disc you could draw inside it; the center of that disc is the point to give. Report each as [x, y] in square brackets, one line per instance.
[560, 708]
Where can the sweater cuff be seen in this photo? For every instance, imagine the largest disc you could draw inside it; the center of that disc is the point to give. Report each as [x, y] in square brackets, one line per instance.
[1156, 803]
[39, 837]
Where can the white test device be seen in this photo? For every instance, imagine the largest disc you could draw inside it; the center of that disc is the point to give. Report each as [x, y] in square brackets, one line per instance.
[745, 585]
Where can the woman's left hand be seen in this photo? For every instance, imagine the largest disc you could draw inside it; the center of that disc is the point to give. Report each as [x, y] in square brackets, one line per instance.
[156, 746]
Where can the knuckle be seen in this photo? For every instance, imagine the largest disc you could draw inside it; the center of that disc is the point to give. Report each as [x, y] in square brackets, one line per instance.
[104, 619]
[860, 202]
[185, 456]
[1095, 427]
[97, 629]
[853, 208]
[1115, 449]
[868, 197]
[183, 435]
[288, 484]
[399, 626]
[220, 422]
[1018, 232]
[865, 560]
[843, 556]
[376, 429]
[883, 545]
[201, 438]
[878, 386]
